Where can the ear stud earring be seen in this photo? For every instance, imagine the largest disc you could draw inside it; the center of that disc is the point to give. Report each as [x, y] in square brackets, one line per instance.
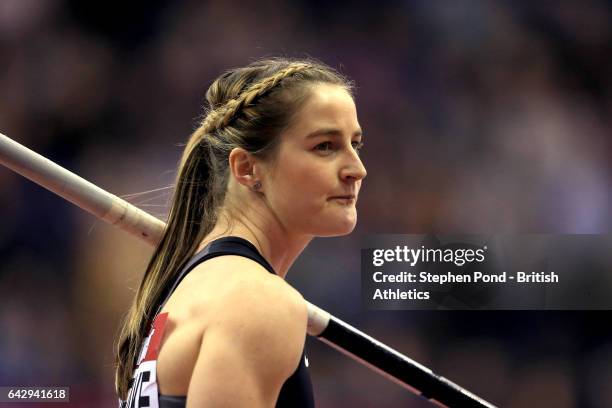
[256, 186]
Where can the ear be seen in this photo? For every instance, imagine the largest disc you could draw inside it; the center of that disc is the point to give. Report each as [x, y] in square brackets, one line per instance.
[244, 167]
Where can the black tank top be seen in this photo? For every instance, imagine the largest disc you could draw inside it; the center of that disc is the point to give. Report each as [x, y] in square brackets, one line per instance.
[295, 392]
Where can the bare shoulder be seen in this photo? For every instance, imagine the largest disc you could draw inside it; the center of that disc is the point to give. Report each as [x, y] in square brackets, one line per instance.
[231, 284]
[254, 336]
[240, 281]
[231, 309]
[260, 305]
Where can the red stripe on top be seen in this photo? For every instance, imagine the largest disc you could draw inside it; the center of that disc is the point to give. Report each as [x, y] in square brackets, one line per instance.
[159, 325]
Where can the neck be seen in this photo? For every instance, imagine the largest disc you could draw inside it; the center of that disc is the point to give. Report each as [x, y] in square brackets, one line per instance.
[257, 225]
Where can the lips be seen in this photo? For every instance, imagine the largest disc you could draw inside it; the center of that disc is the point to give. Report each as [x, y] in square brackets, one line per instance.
[343, 197]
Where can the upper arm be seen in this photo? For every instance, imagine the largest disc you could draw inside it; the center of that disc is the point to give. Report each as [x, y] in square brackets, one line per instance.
[251, 346]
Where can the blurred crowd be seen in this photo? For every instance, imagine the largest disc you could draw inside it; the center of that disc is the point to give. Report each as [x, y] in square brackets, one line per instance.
[478, 116]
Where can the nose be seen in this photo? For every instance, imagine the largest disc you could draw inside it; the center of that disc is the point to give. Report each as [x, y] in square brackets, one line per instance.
[353, 169]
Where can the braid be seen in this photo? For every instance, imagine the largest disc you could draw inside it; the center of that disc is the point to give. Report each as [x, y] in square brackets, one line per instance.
[222, 116]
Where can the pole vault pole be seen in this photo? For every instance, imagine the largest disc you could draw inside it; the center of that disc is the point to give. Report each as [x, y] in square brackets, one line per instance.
[321, 324]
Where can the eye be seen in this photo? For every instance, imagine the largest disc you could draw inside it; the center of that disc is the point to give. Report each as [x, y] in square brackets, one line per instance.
[357, 145]
[324, 147]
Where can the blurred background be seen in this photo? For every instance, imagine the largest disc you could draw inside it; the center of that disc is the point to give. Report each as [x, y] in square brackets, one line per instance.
[479, 117]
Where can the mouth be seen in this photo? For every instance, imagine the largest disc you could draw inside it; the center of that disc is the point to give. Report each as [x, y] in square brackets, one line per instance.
[346, 199]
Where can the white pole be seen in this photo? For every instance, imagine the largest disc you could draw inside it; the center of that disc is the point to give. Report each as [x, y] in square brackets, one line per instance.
[327, 328]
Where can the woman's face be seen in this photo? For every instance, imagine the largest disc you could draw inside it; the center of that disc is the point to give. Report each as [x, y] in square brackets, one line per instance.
[313, 182]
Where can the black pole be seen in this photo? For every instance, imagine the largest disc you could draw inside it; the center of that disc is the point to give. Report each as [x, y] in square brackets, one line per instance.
[397, 367]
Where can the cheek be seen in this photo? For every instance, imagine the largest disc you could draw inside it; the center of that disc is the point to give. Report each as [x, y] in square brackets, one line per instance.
[302, 183]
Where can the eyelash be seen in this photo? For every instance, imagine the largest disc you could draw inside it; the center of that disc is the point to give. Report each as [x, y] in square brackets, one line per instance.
[356, 145]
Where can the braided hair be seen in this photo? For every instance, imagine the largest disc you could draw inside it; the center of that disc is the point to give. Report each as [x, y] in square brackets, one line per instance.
[248, 107]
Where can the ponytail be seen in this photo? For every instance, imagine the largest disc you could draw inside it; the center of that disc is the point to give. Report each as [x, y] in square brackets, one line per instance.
[192, 217]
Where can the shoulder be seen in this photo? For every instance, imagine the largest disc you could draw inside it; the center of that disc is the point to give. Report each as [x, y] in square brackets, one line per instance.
[228, 283]
[239, 278]
[257, 314]
[248, 286]
[239, 322]
[232, 287]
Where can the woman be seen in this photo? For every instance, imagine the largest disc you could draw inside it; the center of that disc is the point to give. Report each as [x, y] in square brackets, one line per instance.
[273, 164]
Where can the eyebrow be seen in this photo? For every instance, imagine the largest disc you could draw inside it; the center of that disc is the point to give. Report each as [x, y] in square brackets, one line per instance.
[330, 132]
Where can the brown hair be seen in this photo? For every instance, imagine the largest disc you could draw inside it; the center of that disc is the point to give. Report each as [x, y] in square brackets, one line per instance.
[248, 107]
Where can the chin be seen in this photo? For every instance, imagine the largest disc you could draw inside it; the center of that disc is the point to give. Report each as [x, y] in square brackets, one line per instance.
[339, 228]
